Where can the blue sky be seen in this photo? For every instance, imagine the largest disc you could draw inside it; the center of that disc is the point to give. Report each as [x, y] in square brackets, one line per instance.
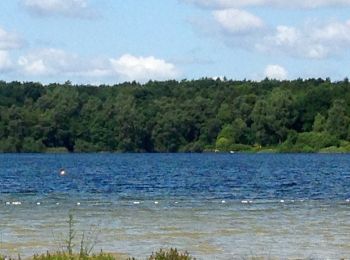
[111, 41]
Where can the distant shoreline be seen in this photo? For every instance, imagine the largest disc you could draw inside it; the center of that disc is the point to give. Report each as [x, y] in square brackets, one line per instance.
[261, 151]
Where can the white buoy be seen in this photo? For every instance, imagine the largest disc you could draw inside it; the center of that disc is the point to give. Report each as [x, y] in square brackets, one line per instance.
[282, 201]
[78, 203]
[38, 203]
[57, 203]
[223, 201]
[176, 202]
[156, 202]
[136, 202]
[62, 172]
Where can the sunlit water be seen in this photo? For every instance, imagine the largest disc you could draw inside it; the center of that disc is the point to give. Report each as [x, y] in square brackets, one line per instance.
[215, 206]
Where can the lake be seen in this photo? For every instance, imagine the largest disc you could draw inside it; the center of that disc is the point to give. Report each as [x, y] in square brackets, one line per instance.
[216, 206]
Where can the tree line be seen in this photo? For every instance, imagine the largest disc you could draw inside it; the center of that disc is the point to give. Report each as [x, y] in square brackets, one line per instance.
[308, 115]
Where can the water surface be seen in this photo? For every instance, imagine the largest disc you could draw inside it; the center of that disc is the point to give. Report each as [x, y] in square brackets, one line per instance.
[216, 206]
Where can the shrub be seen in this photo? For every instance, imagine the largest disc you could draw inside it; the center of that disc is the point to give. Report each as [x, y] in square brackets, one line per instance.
[223, 144]
[56, 150]
[195, 147]
[10, 145]
[171, 254]
[308, 142]
[333, 149]
[30, 145]
[345, 145]
[317, 140]
[84, 147]
[241, 148]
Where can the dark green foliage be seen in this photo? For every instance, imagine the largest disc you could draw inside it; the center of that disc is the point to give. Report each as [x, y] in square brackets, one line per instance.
[171, 254]
[186, 116]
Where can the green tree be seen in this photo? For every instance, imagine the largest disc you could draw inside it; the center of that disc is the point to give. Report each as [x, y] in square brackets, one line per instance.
[319, 123]
[338, 121]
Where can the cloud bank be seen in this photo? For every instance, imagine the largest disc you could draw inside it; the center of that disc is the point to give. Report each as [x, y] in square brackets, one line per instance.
[55, 62]
[313, 41]
[66, 8]
[223, 4]
[9, 40]
[5, 61]
[242, 29]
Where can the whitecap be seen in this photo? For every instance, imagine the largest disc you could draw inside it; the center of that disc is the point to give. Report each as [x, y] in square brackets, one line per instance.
[223, 201]
[244, 201]
[38, 203]
[282, 201]
[16, 203]
[136, 202]
[156, 202]
[78, 203]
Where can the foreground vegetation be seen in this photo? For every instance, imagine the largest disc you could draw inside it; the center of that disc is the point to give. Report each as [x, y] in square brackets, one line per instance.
[188, 116]
[171, 254]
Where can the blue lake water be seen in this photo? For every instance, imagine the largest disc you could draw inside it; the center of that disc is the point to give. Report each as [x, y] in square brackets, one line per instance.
[216, 206]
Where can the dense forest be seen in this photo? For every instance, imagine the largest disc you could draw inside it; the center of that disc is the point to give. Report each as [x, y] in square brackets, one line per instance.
[176, 116]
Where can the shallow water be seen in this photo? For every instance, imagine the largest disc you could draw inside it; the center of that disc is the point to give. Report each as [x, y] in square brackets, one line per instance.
[215, 206]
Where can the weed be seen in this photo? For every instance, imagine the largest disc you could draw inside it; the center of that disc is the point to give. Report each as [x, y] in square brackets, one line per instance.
[171, 254]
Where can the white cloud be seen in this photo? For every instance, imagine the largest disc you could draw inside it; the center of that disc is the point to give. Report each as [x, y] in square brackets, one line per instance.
[237, 21]
[59, 63]
[55, 62]
[5, 61]
[314, 41]
[49, 62]
[222, 4]
[276, 72]
[9, 40]
[143, 68]
[68, 8]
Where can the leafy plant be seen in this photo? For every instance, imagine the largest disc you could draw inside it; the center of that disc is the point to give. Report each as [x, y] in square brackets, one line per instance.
[171, 254]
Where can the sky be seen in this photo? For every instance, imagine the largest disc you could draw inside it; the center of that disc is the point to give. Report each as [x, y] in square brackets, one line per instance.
[112, 41]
